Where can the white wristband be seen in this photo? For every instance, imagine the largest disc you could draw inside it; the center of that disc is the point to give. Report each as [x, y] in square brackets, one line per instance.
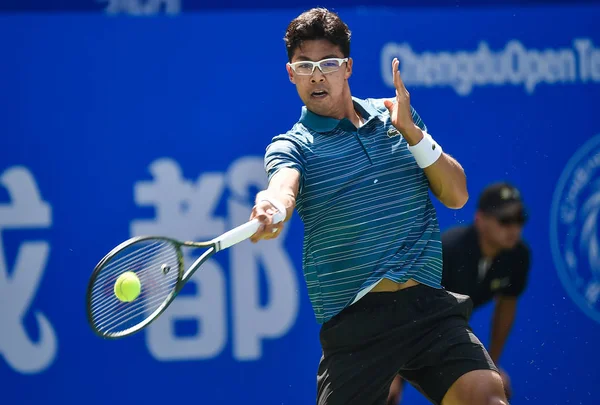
[426, 152]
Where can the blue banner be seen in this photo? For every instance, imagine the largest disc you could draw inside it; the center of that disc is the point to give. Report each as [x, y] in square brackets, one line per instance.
[115, 127]
[174, 7]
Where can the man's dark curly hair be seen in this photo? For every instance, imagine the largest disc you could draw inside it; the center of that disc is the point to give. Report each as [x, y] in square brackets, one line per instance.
[317, 23]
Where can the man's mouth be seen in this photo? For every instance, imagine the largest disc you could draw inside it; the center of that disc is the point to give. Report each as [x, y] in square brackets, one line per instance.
[318, 93]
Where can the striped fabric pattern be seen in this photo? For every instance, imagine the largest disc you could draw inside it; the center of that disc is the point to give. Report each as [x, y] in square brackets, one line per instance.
[364, 203]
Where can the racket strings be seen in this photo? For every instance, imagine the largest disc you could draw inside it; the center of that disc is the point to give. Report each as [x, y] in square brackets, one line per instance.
[146, 259]
[107, 310]
[149, 300]
[116, 315]
[143, 261]
[109, 305]
[114, 267]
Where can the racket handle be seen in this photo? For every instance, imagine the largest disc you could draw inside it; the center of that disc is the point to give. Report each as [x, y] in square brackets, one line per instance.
[236, 235]
[243, 232]
[279, 216]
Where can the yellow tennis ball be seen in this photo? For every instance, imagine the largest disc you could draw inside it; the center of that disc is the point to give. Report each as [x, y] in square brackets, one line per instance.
[128, 287]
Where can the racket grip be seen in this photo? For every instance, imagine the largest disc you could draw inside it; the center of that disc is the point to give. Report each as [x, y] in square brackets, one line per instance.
[243, 232]
[236, 235]
[279, 216]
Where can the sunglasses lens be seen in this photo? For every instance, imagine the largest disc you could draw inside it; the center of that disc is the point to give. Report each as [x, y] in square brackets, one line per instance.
[518, 220]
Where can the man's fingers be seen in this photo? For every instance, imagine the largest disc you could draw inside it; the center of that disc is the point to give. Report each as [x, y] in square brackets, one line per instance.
[267, 234]
[395, 64]
[257, 235]
[273, 231]
[267, 230]
[397, 79]
[388, 104]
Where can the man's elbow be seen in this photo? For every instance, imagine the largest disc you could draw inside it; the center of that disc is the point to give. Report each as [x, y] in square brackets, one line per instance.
[457, 200]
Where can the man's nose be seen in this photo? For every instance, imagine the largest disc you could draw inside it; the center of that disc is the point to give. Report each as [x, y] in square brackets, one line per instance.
[317, 76]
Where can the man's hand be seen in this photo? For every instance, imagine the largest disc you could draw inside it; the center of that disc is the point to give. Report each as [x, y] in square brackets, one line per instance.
[446, 177]
[400, 111]
[279, 196]
[264, 211]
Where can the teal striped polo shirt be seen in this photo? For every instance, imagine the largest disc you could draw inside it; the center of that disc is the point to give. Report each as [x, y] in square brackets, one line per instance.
[364, 203]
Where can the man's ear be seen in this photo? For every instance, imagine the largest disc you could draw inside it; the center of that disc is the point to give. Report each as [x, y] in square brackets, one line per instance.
[348, 68]
[290, 73]
[479, 217]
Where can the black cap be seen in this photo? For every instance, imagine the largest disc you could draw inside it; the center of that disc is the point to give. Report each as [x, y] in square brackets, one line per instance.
[503, 201]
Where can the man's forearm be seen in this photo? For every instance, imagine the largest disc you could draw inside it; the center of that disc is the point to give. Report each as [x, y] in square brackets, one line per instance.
[502, 321]
[448, 181]
[446, 176]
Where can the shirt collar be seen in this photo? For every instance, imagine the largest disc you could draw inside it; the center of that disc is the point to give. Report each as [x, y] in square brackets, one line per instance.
[321, 123]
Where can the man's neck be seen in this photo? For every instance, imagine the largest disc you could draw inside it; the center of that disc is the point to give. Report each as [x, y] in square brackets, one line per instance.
[347, 109]
[488, 249]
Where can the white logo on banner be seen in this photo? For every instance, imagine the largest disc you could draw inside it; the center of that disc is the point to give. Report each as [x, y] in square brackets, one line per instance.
[513, 65]
[185, 210]
[574, 230]
[143, 7]
[18, 286]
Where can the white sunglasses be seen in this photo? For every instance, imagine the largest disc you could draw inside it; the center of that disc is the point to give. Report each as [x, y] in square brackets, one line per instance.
[307, 68]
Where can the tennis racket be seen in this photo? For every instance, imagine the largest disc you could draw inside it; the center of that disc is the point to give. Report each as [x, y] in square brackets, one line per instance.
[158, 264]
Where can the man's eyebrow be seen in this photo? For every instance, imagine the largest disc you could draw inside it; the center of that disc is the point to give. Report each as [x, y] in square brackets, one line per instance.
[306, 58]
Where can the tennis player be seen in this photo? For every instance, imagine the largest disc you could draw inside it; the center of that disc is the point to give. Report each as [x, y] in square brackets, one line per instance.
[359, 171]
[489, 261]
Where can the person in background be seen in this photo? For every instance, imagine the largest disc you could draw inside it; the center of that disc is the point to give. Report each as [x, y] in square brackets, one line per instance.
[488, 260]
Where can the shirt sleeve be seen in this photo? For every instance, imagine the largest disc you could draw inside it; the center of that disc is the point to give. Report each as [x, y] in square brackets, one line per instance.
[519, 274]
[284, 152]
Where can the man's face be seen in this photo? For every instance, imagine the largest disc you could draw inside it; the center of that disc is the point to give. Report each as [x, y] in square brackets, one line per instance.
[322, 93]
[503, 232]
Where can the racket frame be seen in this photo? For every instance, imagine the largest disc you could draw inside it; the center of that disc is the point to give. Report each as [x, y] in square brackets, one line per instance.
[215, 245]
[182, 278]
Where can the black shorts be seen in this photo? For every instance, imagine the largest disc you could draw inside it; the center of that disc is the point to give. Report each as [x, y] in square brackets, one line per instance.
[421, 333]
